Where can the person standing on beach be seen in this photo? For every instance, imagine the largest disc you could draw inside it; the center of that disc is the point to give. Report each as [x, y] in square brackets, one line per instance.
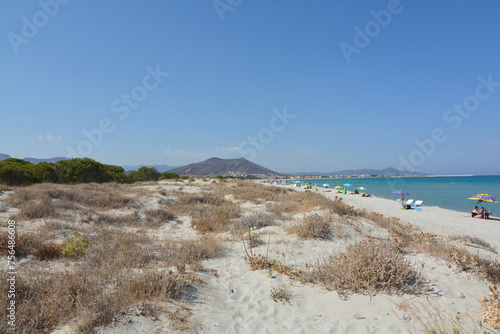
[402, 198]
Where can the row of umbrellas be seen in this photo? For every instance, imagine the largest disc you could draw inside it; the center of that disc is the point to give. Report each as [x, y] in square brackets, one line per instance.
[479, 197]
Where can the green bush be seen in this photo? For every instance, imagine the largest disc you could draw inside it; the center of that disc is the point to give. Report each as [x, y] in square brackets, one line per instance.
[75, 245]
[145, 174]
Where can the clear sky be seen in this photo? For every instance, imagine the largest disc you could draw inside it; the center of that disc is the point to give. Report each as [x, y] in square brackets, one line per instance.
[291, 85]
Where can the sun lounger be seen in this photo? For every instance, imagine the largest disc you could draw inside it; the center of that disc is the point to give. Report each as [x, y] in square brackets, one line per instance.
[417, 205]
[407, 204]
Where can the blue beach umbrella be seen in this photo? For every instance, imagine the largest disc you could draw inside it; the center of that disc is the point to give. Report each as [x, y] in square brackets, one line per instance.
[402, 192]
[348, 185]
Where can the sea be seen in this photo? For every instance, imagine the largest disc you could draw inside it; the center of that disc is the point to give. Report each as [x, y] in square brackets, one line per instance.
[448, 192]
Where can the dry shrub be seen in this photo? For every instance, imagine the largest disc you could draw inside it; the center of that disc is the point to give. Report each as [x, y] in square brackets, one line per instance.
[156, 217]
[312, 226]
[99, 196]
[119, 220]
[206, 207]
[210, 212]
[281, 207]
[473, 263]
[491, 308]
[474, 241]
[37, 209]
[367, 266]
[48, 251]
[128, 250]
[404, 241]
[52, 226]
[192, 253]
[256, 220]
[151, 284]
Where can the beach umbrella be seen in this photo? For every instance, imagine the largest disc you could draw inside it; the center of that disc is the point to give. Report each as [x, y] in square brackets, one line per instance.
[402, 192]
[484, 198]
[326, 185]
[338, 187]
[347, 185]
[361, 188]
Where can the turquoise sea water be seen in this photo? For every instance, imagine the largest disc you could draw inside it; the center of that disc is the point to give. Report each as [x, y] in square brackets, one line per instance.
[444, 192]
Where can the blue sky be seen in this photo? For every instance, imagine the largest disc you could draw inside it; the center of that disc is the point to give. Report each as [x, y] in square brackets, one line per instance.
[291, 85]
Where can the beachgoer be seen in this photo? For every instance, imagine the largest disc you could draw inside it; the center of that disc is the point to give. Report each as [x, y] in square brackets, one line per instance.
[356, 192]
[335, 199]
[485, 213]
[402, 198]
[475, 213]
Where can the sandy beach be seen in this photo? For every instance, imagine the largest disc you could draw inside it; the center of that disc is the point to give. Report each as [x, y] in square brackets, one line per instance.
[235, 299]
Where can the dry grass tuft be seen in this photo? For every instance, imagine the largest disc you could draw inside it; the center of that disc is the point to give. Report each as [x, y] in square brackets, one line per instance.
[157, 217]
[474, 242]
[255, 220]
[48, 251]
[210, 212]
[192, 253]
[473, 263]
[367, 266]
[281, 294]
[150, 284]
[118, 220]
[313, 226]
[37, 209]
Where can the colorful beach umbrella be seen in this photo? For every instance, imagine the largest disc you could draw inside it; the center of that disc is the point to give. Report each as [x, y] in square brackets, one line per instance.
[484, 198]
[338, 187]
[402, 192]
[361, 188]
[348, 185]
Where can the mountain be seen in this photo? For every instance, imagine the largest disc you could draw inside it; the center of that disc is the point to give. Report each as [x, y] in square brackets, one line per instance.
[33, 160]
[225, 167]
[381, 172]
[159, 168]
[4, 156]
